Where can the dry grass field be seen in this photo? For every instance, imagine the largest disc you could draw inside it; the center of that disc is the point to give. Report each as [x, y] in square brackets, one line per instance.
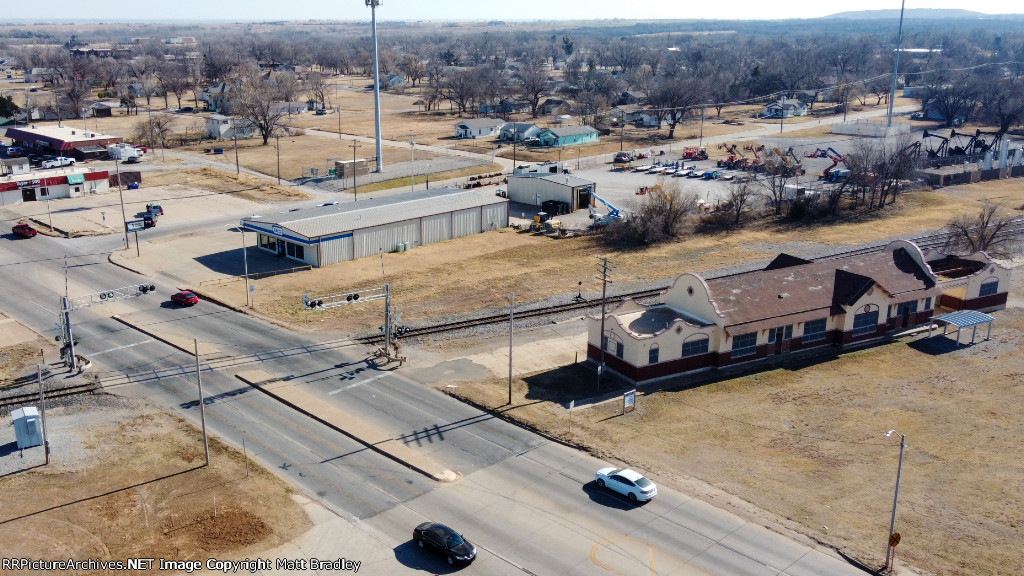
[128, 481]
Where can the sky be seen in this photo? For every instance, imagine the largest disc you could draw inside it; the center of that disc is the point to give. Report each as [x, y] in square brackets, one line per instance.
[411, 10]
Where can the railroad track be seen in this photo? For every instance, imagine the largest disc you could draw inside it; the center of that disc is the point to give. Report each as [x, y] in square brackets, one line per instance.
[935, 240]
[33, 397]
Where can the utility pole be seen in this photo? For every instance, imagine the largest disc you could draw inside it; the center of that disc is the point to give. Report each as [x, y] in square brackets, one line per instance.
[278, 146]
[202, 404]
[602, 275]
[120, 193]
[412, 163]
[234, 134]
[355, 188]
[42, 411]
[511, 313]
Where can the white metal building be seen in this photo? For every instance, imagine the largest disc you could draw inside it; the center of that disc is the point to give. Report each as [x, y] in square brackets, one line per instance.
[539, 188]
[330, 234]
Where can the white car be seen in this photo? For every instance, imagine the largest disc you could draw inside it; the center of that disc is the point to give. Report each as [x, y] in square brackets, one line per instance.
[331, 203]
[627, 482]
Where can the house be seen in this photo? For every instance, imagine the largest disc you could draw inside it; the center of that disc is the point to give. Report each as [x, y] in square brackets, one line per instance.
[478, 128]
[785, 108]
[628, 113]
[506, 106]
[567, 136]
[136, 89]
[629, 97]
[791, 305]
[555, 106]
[216, 96]
[40, 75]
[392, 81]
[220, 127]
[289, 108]
[518, 131]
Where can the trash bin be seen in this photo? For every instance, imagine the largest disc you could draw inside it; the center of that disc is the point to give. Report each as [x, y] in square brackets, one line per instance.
[218, 150]
[28, 428]
[133, 186]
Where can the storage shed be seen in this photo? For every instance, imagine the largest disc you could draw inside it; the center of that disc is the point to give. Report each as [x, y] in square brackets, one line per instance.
[327, 235]
[28, 428]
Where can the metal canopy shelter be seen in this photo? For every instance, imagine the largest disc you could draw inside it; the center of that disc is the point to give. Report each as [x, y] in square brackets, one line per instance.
[963, 319]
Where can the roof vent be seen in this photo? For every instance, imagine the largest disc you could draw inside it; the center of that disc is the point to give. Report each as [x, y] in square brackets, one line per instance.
[72, 132]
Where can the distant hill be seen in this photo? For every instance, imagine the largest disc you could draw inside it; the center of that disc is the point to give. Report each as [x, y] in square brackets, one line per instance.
[915, 13]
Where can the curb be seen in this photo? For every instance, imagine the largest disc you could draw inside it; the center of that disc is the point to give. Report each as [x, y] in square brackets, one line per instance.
[445, 478]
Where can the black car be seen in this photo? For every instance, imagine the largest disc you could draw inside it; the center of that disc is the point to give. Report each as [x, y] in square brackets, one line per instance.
[148, 221]
[445, 541]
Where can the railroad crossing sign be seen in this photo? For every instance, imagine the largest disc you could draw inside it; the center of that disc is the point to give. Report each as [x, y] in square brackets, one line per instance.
[894, 539]
[135, 225]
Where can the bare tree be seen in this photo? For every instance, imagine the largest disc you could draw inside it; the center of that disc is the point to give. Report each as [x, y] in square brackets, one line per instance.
[774, 185]
[254, 100]
[532, 82]
[882, 167]
[154, 130]
[661, 216]
[316, 88]
[174, 80]
[992, 231]
[740, 201]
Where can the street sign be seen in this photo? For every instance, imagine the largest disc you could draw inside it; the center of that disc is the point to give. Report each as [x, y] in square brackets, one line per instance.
[629, 401]
[135, 225]
[252, 287]
[894, 539]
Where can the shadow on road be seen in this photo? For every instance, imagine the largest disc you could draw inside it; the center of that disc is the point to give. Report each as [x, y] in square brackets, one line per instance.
[412, 556]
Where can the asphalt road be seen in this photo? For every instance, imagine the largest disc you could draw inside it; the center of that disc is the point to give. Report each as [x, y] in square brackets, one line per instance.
[528, 503]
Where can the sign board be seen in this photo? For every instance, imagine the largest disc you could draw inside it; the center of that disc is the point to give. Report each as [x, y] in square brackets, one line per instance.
[252, 287]
[276, 230]
[629, 401]
[135, 225]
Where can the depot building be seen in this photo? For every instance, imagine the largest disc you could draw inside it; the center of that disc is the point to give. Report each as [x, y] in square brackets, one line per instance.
[327, 235]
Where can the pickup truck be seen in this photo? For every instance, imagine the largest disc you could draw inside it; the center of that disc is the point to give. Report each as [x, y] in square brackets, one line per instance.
[155, 208]
[58, 162]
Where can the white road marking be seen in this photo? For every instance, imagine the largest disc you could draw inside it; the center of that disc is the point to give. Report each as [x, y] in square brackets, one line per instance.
[120, 347]
[350, 386]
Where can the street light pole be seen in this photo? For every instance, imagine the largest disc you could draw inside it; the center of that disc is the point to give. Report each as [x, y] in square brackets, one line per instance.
[245, 266]
[890, 544]
[376, 79]
[278, 146]
[896, 64]
[412, 163]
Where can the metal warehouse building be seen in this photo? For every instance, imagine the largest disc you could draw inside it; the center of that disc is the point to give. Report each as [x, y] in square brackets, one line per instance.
[330, 234]
[536, 190]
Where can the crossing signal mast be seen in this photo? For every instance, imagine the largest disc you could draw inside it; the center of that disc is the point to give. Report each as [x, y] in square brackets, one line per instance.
[389, 350]
[67, 305]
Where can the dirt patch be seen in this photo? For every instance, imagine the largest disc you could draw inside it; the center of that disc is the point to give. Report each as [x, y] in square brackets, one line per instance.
[128, 481]
[242, 185]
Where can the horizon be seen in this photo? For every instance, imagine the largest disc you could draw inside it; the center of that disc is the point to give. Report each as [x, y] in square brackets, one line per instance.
[523, 11]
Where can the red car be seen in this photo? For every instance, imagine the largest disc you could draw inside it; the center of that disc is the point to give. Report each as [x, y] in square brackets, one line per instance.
[185, 298]
[24, 230]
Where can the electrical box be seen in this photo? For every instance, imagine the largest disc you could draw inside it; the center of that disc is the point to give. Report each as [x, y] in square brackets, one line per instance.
[28, 428]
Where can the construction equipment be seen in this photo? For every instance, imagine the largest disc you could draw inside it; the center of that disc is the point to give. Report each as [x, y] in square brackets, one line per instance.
[694, 153]
[555, 227]
[736, 160]
[818, 153]
[613, 212]
[538, 221]
[836, 159]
